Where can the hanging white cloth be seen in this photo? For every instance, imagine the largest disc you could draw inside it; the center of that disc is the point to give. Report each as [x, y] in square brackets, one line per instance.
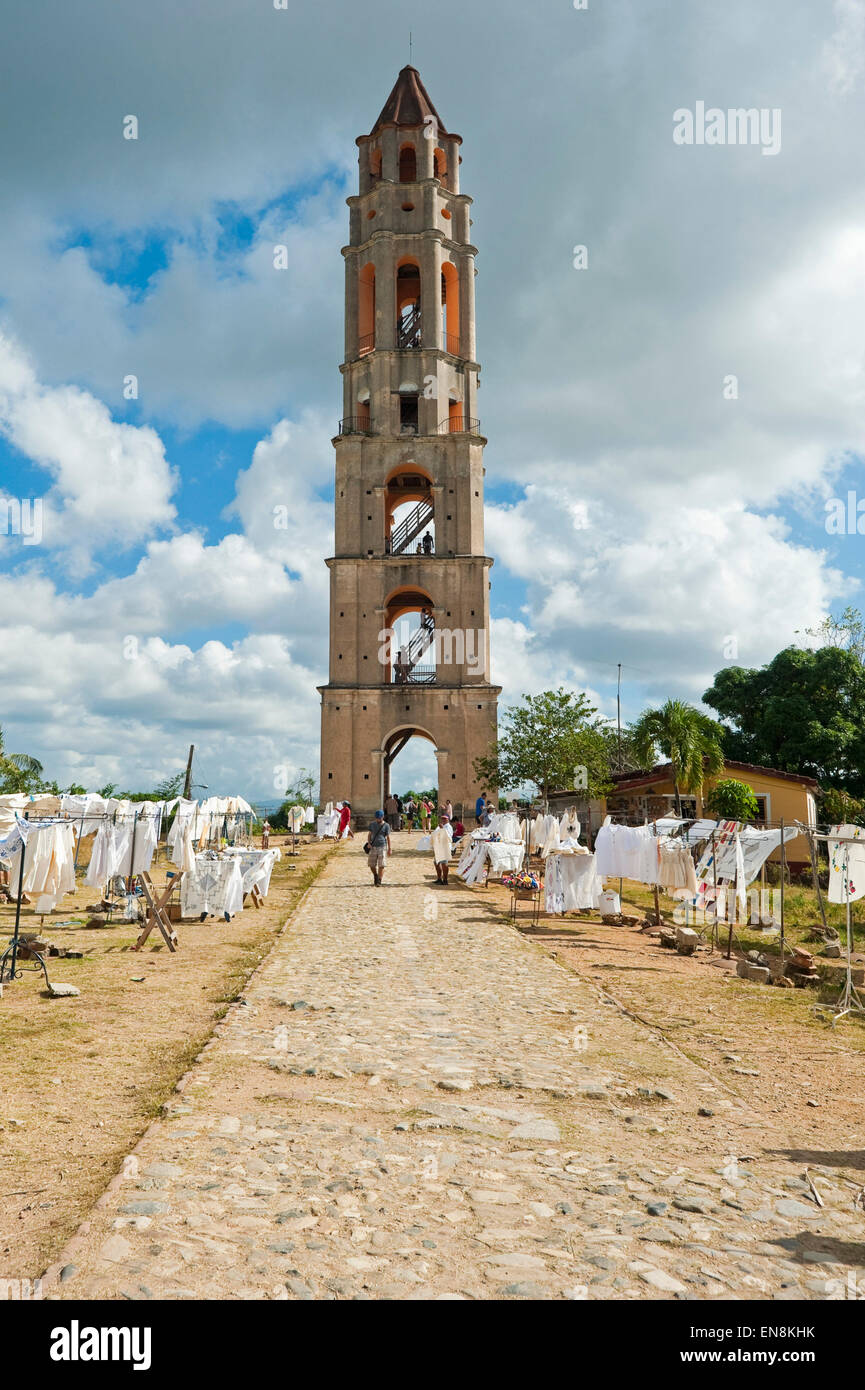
[846, 863]
[309, 816]
[571, 883]
[213, 886]
[49, 861]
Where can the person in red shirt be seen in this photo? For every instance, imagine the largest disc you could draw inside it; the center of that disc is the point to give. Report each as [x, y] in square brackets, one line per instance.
[459, 830]
[345, 821]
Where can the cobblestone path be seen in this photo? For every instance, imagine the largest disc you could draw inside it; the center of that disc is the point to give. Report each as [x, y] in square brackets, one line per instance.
[414, 1102]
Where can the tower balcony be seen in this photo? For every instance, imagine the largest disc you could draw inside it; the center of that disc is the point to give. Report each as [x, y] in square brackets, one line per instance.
[356, 424]
[459, 424]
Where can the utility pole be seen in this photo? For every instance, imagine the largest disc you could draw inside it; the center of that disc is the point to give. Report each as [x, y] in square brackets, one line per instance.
[187, 785]
[619, 717]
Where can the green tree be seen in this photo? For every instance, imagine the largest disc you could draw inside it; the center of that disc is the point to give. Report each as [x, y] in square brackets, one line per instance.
[838, 807]
[689, 740]
[803, 712]
[18, 771]
[846, 632]
[732, 800]
[549, 740]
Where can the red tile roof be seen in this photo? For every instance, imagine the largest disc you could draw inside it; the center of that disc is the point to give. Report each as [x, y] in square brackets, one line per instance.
[409, 104]
[625, 780]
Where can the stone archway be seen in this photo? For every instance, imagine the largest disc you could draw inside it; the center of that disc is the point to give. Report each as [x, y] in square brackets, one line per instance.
[393, 744]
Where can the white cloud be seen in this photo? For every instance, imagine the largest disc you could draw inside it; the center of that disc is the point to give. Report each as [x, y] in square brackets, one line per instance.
[110, 481]
[842, 55]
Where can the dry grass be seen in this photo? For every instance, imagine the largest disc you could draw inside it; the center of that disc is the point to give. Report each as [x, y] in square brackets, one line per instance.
[82, 1077]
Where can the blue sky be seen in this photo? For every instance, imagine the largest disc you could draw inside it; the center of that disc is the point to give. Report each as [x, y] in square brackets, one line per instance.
[635, 512]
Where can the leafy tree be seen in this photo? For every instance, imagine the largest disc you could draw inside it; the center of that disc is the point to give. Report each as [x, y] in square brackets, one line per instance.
[846, 632]
[18, 771]
[803, 712]
[544, 741]
[838, 807]
[686, 738]
[732, 800]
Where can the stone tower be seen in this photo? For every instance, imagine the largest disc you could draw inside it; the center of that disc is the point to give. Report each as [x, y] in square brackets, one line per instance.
[409, 582]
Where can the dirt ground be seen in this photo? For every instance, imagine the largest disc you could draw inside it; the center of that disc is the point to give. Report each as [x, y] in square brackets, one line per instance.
[81, 1077]
[768, 1047]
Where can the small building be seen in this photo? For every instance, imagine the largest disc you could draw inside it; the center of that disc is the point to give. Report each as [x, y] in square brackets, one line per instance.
[787, 796]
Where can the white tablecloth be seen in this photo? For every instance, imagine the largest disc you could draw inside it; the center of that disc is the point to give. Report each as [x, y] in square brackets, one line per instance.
[327, 827]
[256, 867]
[214, 887]
[571, 882]
[502, 856]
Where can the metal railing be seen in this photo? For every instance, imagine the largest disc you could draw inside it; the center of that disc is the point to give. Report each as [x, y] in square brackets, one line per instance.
[408, 330]
[452, 344]
[422, 675]
[459, 424]
[412, 526]
[356, 424]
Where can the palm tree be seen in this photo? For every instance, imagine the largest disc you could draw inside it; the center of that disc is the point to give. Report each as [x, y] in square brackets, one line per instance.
[690, 740]
[17, 768]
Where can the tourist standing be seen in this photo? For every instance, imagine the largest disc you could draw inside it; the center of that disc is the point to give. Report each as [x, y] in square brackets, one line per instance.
[378, 845]
[442, 845]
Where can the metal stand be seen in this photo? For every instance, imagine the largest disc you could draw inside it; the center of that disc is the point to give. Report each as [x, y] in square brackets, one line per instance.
[10, 971]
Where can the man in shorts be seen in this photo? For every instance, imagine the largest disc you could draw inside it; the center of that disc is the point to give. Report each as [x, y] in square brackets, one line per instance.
[378, 840]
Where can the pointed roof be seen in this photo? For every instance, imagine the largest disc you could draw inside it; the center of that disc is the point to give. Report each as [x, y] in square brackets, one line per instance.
[409, 104]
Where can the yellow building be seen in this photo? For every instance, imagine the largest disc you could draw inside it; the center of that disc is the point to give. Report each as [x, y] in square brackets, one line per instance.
[781, 796]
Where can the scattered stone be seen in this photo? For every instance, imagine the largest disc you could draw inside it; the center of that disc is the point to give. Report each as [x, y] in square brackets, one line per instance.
[115, 1249]
[537, 1129]
[790, 1207]
[659, 1279]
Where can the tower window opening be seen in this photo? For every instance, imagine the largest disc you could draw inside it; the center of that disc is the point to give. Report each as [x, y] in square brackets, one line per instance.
[408, 413]
[375, 165]
[440, 165]
[408, 306]
[408, 164]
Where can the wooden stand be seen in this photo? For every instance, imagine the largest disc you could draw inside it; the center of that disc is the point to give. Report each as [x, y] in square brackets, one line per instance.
[157, 915]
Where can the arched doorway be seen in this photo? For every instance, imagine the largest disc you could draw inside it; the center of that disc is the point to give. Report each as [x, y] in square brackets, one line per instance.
[409, 762]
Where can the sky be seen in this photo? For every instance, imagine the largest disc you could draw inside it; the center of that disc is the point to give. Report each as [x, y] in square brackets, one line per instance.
[669, 412]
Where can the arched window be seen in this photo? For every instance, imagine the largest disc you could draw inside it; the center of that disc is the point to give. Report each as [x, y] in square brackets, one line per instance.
[451, 309]
[375, 165]
[408, 164]
[366, 310]
[408, 305]
[409, 511]
[409, 617]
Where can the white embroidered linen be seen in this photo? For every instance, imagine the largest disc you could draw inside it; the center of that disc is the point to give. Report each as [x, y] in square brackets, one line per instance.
[256, 867]
[328, 826]
[214, 887]
[675, 865]
[627, 851]
[49, 861]
[846, 863]
[571, 882]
